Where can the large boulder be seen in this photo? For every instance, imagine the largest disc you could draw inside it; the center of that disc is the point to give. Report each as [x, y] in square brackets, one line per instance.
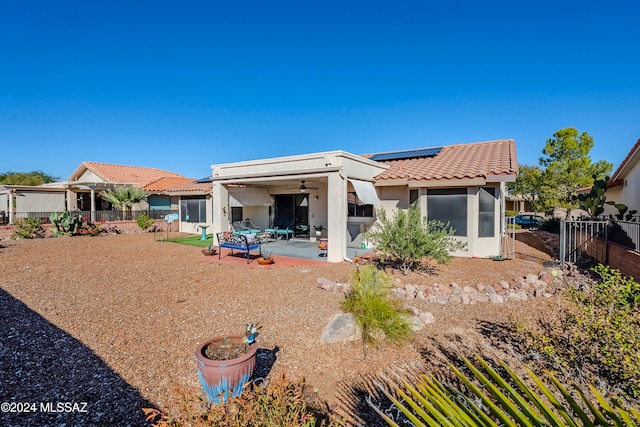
[341, 328]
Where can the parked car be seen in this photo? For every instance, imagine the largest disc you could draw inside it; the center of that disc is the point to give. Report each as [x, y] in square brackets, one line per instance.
[528, 221]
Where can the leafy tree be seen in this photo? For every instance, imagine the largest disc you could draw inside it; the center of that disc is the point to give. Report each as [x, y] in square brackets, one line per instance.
[527, 184]
[568, 168]
[28, 178]
[407, 238]
[124, 198]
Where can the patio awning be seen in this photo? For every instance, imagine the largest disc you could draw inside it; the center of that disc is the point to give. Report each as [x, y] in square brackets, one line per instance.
[366, 192]
[249, 196]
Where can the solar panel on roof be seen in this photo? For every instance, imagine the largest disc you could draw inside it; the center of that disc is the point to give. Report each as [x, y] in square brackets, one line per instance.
[407, 154]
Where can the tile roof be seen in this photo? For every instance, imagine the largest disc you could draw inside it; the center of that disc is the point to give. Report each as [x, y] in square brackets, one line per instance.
[461, 161]
[136, 175]
[177, 185]
[617, 175]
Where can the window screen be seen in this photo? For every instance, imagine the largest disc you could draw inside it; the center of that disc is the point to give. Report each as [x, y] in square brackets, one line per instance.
[449, 206]
[486, 212]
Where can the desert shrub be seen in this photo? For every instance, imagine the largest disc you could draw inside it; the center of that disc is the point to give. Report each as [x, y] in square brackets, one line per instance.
[407, 238]
[552, 225]
[280, 403]
[88, 228]
[144, 221]
[106, 228]
[28, 228]
[598, 336]
[376, 312]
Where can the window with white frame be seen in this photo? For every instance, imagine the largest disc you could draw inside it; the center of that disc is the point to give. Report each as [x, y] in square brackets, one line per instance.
[193, 209]
[486, 212]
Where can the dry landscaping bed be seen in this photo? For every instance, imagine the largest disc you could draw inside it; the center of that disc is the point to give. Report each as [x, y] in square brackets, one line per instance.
[114, 320]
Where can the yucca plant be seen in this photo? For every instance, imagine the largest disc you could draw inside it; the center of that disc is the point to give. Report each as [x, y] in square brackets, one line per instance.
[491, 399]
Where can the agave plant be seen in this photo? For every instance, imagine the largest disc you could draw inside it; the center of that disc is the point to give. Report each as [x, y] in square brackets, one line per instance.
[493, 400]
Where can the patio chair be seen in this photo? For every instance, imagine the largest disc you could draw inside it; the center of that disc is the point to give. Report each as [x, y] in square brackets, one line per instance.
[281, 228]
[302, 230]
[239, 228]
[249, 224]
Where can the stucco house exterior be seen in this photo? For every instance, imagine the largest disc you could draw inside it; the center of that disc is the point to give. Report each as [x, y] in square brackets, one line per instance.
[168, 191]
[624, 185]
[462, 184]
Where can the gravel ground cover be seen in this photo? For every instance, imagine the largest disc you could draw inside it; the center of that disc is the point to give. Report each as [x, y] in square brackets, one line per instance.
[112, 322]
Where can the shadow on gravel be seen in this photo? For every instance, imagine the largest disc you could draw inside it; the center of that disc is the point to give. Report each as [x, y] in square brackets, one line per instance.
[265, 358]
[57, 378]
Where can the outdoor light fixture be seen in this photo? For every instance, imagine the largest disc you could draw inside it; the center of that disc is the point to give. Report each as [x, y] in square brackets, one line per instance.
[303, 188]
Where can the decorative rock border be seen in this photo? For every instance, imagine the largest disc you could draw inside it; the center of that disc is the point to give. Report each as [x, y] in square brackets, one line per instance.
[541, 285]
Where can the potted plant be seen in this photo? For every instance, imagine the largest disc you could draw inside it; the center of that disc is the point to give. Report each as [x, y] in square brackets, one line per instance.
[210, 250]
[265, 258]
[225, 364]
[319, 229]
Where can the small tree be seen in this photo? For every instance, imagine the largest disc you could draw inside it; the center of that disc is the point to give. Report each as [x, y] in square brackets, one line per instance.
[124, 197]
[407, 238]
[144, 221]
[567, 168]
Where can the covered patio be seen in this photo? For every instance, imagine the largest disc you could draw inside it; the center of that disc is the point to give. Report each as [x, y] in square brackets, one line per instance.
[309, 191]
[295, 252]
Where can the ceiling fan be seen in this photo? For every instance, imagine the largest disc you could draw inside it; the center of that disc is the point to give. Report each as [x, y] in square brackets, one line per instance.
[304, 188]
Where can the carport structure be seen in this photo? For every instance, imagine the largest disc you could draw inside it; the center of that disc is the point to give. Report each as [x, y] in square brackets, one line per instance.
[310, 190]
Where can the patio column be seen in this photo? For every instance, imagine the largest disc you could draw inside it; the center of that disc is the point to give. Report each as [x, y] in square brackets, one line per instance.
[70, 201]
[220, 208]
[337, 217]
[11, 192]
[93, 204]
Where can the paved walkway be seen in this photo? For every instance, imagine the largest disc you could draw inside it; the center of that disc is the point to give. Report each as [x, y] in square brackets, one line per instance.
[295, 252]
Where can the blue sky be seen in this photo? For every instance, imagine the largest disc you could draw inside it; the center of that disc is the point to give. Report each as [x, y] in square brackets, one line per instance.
[183, 85]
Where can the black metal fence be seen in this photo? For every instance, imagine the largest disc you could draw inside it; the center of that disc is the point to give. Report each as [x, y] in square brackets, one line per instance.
[107, 216]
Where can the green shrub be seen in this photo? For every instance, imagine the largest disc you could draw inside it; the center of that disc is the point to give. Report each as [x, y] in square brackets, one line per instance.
[598, 336]
[552, 225]
[144, 221]
[407, 238]
[511, 213]
[280, 403]
[28, 228]
[376, 311]
[492, 398]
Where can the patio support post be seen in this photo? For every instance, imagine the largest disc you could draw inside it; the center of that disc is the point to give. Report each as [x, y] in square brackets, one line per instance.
[220, 208]
[93, 204]
[11, 193]
[70, 201]
[337, 217]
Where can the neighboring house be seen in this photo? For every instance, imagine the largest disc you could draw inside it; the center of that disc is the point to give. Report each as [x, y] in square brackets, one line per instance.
[517, 203]
[463, 185]
[168, 191]
[624, 185]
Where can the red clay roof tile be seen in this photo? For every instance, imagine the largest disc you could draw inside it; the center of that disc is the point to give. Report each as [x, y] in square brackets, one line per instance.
[460, 161]
[136, 175]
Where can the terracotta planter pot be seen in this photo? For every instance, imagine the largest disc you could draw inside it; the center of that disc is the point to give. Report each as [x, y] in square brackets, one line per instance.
[223, 379]
[263, 261]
